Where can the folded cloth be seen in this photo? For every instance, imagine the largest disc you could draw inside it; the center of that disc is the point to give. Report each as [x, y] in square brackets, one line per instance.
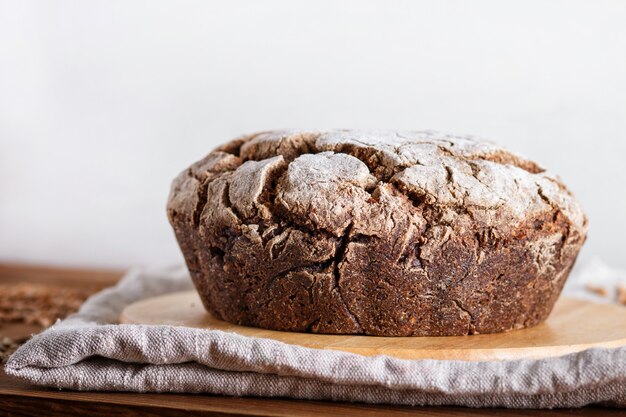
[89, 351]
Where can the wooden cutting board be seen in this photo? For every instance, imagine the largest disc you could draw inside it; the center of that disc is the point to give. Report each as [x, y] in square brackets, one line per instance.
[574, 325]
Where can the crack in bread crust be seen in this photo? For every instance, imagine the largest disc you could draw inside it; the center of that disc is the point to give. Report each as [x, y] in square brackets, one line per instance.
[379, 233]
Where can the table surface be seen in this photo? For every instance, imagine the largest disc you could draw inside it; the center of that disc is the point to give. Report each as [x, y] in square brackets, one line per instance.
[21, 399]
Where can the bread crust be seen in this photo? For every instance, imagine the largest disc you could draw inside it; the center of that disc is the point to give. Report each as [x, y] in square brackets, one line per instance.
[379, 233]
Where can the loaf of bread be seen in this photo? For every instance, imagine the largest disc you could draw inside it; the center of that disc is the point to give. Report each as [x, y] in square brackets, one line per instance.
[379, 233]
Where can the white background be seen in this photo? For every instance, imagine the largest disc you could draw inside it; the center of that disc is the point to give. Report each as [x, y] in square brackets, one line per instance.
[103, 103]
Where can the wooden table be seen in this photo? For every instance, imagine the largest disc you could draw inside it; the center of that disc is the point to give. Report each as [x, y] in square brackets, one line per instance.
[21, 399]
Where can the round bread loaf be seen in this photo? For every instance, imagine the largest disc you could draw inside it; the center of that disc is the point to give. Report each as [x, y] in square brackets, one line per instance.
[380, 233]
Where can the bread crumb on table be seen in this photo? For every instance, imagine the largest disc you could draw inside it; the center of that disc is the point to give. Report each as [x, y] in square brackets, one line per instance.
[596, 289]
[621, 294]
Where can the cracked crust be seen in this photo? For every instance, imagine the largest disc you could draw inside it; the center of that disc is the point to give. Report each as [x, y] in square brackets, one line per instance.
[378, 233]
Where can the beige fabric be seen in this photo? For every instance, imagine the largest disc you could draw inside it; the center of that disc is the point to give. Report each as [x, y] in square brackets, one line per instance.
[89, 352]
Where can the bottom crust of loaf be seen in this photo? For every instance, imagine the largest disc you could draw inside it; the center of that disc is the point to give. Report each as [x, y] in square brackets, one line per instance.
[470, 284]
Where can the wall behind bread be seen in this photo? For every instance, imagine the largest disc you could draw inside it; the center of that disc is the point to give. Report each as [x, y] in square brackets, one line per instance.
[102, 103]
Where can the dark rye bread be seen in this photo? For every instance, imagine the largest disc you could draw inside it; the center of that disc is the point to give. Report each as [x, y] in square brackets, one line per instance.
[377, 233]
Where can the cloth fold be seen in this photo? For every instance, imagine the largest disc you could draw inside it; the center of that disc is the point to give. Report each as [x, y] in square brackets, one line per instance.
[89, 351]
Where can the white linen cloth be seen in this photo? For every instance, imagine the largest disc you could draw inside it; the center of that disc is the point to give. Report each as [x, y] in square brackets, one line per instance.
[90, 351]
